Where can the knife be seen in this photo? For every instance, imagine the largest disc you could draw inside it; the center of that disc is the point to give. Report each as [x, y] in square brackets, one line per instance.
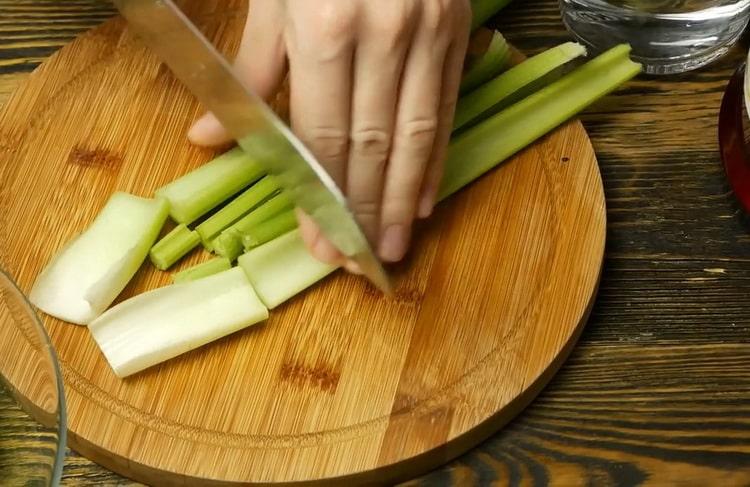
[253, 124]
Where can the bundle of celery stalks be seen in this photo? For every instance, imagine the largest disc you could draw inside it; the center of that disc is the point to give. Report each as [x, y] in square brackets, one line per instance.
[240, 214]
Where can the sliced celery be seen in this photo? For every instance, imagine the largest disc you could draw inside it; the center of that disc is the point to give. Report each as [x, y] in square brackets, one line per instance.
[269, 229]
[86, 275]
[156, 326]
[237, 208]
[489, 65]
[492, 141]
[519, 79]
[484, 10]
[229, 242]
[199, 191]
[173, 246]
[282, 268]
[204, 269]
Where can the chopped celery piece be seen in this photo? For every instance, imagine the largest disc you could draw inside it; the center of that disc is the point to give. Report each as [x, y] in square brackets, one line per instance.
[487, 144]
[228, 245]
[156, 326]
[204, 269]
[201, 190]
[173, 246]
[269, 229]
[86, 276]
[281, 268]
[229, 242]
[237, 208]
[516, 80]
[489, 65]
[484, 10]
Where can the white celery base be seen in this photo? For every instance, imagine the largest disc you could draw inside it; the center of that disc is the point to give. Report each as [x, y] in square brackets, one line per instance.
[161, 324]
[86, 276]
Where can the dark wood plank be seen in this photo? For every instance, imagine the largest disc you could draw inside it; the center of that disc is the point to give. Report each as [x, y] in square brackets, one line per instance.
[658, 388]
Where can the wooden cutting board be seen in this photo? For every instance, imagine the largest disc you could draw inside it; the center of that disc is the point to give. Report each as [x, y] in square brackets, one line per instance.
[341, 383]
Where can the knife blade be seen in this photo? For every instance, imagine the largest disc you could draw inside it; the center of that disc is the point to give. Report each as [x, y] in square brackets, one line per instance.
[256, 128]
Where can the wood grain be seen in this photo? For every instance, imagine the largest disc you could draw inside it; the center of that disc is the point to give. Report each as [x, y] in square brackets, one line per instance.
[675, 283]
[341, 384]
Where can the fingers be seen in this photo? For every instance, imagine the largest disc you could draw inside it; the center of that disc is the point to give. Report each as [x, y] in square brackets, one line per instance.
[320, 43]
[260, 62]
[383, 42]
[415, 129]
[451, 83]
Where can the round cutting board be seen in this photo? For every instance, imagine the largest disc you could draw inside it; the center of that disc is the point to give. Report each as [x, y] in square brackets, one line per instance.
[341, 382]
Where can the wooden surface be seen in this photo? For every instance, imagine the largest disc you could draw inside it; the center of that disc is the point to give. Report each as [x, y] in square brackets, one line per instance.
[342, 383]
[657, 391]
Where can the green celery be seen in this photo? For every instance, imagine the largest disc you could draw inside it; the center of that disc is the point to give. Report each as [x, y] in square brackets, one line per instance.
[237, 208]
[229, 242]
[489, 65]
[484, 10]
[204, 269]
[203, 189]
[282, 268]
[174, 246]
[492, 141]
[269, 229]
[504, 89]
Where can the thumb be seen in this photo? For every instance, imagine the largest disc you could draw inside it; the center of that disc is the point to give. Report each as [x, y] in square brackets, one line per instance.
[260, 62]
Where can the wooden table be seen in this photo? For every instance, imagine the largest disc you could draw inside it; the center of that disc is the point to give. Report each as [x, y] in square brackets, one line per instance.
[658, 389]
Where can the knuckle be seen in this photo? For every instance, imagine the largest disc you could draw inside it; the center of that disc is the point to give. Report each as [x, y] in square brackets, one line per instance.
[334, 20]
[392, 23]
[373, 142]
[328, 143]
[418, 133]
[435, 15]
[366, 209]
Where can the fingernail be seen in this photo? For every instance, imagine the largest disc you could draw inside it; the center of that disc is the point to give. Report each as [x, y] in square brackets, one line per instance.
[353, 267]
[394, 242]
[426, 205]
[204, 127]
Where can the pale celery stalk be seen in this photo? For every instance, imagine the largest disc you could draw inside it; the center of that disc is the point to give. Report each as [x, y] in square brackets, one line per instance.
[86, 275]
[488, 66]
[237, 208]
[156, 326]
[492, 141]
[518, 79]
[204, 269]
[484, 10]
[173, 246]
[269, 229]
[229, 243]
[199, 191]
[282, 268]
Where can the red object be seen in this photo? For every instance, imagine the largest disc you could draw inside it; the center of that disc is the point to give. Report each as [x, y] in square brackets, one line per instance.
[734, 150]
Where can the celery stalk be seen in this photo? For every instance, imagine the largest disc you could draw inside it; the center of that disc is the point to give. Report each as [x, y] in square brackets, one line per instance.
[199, 191]
[237, 208]
[229, 242]
[492, 141]
[156, 326]
[489, 65]
[204, 269]
[281, 268]
[174, 246]
[86, 276]
[484, 10]
[517, 80]
[269, 229]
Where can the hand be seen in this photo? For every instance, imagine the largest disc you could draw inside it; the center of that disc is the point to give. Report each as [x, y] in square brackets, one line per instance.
[373, 91]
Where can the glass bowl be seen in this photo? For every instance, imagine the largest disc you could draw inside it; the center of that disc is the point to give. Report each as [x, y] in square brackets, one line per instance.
[32, 401]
